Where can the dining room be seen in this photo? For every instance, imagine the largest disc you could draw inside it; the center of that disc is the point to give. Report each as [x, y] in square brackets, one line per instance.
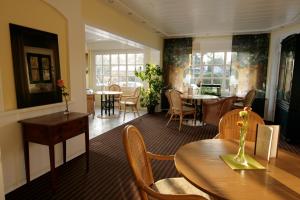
[164, 100]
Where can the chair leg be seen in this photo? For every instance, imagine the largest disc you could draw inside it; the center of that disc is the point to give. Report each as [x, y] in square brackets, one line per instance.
[137, 111]
[180, 122]
[124, 112]
[170, 119]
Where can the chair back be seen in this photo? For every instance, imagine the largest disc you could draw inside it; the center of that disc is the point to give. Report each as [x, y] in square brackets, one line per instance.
[228, 128]
[135, 150]
[136, 94]
[167, 94]
[176, 101]
[115, 87]
[249, 98]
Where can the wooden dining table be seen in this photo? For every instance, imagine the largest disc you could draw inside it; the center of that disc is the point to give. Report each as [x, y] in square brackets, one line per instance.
[196, 100]
[200, 163]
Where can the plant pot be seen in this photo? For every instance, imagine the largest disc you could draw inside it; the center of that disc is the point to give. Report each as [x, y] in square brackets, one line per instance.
[151, 109]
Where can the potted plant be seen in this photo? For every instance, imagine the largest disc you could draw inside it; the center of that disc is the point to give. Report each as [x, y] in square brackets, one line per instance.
[152, 74]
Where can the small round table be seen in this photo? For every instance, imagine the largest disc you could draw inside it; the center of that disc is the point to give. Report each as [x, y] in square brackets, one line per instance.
[107, 101]
[197, 101]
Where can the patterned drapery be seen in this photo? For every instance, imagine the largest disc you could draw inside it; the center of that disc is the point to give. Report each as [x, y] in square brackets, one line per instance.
[176, 58]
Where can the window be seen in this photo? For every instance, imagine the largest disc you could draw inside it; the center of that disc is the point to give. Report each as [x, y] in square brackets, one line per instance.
[211, 68]
[118, 68]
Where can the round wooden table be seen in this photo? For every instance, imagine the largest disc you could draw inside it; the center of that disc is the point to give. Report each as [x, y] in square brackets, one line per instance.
[200, 163]
[197, 101]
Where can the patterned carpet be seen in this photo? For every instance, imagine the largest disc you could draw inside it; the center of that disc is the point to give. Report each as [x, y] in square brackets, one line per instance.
[109, 176]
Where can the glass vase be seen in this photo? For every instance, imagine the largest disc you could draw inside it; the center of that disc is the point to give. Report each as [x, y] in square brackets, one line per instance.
[66, 112]
[240, 156]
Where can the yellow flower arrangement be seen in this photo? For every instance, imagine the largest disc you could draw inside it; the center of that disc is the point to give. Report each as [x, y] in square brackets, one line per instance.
[243, 124]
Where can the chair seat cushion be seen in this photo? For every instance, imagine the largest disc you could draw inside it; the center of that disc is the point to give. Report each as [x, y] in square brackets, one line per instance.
[188, 109]
[127, 102]
[177, 186]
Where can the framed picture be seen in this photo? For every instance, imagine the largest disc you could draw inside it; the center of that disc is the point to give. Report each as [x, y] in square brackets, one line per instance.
[36, 66]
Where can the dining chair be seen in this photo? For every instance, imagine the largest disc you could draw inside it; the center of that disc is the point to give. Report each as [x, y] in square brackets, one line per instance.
[179, 109]
[247, 100]
[212, 110]
[127, 101]
[228, 128]
[140, 162]
[117, 98]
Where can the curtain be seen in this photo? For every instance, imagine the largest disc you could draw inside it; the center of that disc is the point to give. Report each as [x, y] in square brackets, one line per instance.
[176, 59]
[249, 64]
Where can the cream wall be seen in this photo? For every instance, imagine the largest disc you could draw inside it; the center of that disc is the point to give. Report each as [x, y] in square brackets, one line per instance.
[64, 18]
[273, 66]
[67, 26]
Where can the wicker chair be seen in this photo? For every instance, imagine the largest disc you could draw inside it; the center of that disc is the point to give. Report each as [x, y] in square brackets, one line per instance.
[130, 101]
[139, 160]
[247, 100]
[214, 110]
[179, 109]
[117, 98]
[228, 128]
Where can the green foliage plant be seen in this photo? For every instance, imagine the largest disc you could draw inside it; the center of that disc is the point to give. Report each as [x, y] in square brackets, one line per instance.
[150, 96]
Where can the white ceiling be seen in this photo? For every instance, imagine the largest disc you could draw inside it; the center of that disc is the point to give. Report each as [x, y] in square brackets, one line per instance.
[175, 18]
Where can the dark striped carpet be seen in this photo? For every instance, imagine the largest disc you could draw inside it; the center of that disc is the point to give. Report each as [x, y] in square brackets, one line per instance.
[109, 176]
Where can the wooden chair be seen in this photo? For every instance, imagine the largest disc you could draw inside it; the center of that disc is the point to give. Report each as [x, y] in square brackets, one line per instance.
[214, 110]
[90, 100]
[178, 107]
[228, 128]
[130, 101]
[247, 100]
[117, 98]
[139, 160]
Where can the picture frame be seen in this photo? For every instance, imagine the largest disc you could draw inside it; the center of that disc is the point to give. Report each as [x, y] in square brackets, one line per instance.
[36, 66]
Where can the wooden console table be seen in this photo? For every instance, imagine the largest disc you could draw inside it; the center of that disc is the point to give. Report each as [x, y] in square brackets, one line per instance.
[50, 130]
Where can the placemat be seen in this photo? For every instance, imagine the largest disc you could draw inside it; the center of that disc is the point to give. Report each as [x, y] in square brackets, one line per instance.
[252, 163]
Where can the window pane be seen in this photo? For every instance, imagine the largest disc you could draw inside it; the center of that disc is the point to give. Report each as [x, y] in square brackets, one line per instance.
[206, 81]
[114, 59]
[227, 71]
[131, 67]
[207, 71]
[98, 70]
[219, 58]
[208, 58]
[196, 59]
[114, 70]
[122, 80]
[218, 71]
[122, 58]
[106, 70]
[115, 79]
[228, 58]
[130, 59]
[105, 59]
[98, 59]
[122, 70]
[139, 58]
[217, 81]
[106, 79]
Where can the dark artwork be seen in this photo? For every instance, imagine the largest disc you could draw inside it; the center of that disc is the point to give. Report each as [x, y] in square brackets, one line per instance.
[36, 66]
[250, 56]
[176, 58]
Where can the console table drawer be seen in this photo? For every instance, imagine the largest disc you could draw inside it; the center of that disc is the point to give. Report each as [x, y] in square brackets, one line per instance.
[77, 127]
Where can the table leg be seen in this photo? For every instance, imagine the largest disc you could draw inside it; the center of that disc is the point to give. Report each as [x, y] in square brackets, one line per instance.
[109, 102]
[26, 157]
[64, 151]
[52, 167]
[87, 149]
[113, 104]
[101, 100]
